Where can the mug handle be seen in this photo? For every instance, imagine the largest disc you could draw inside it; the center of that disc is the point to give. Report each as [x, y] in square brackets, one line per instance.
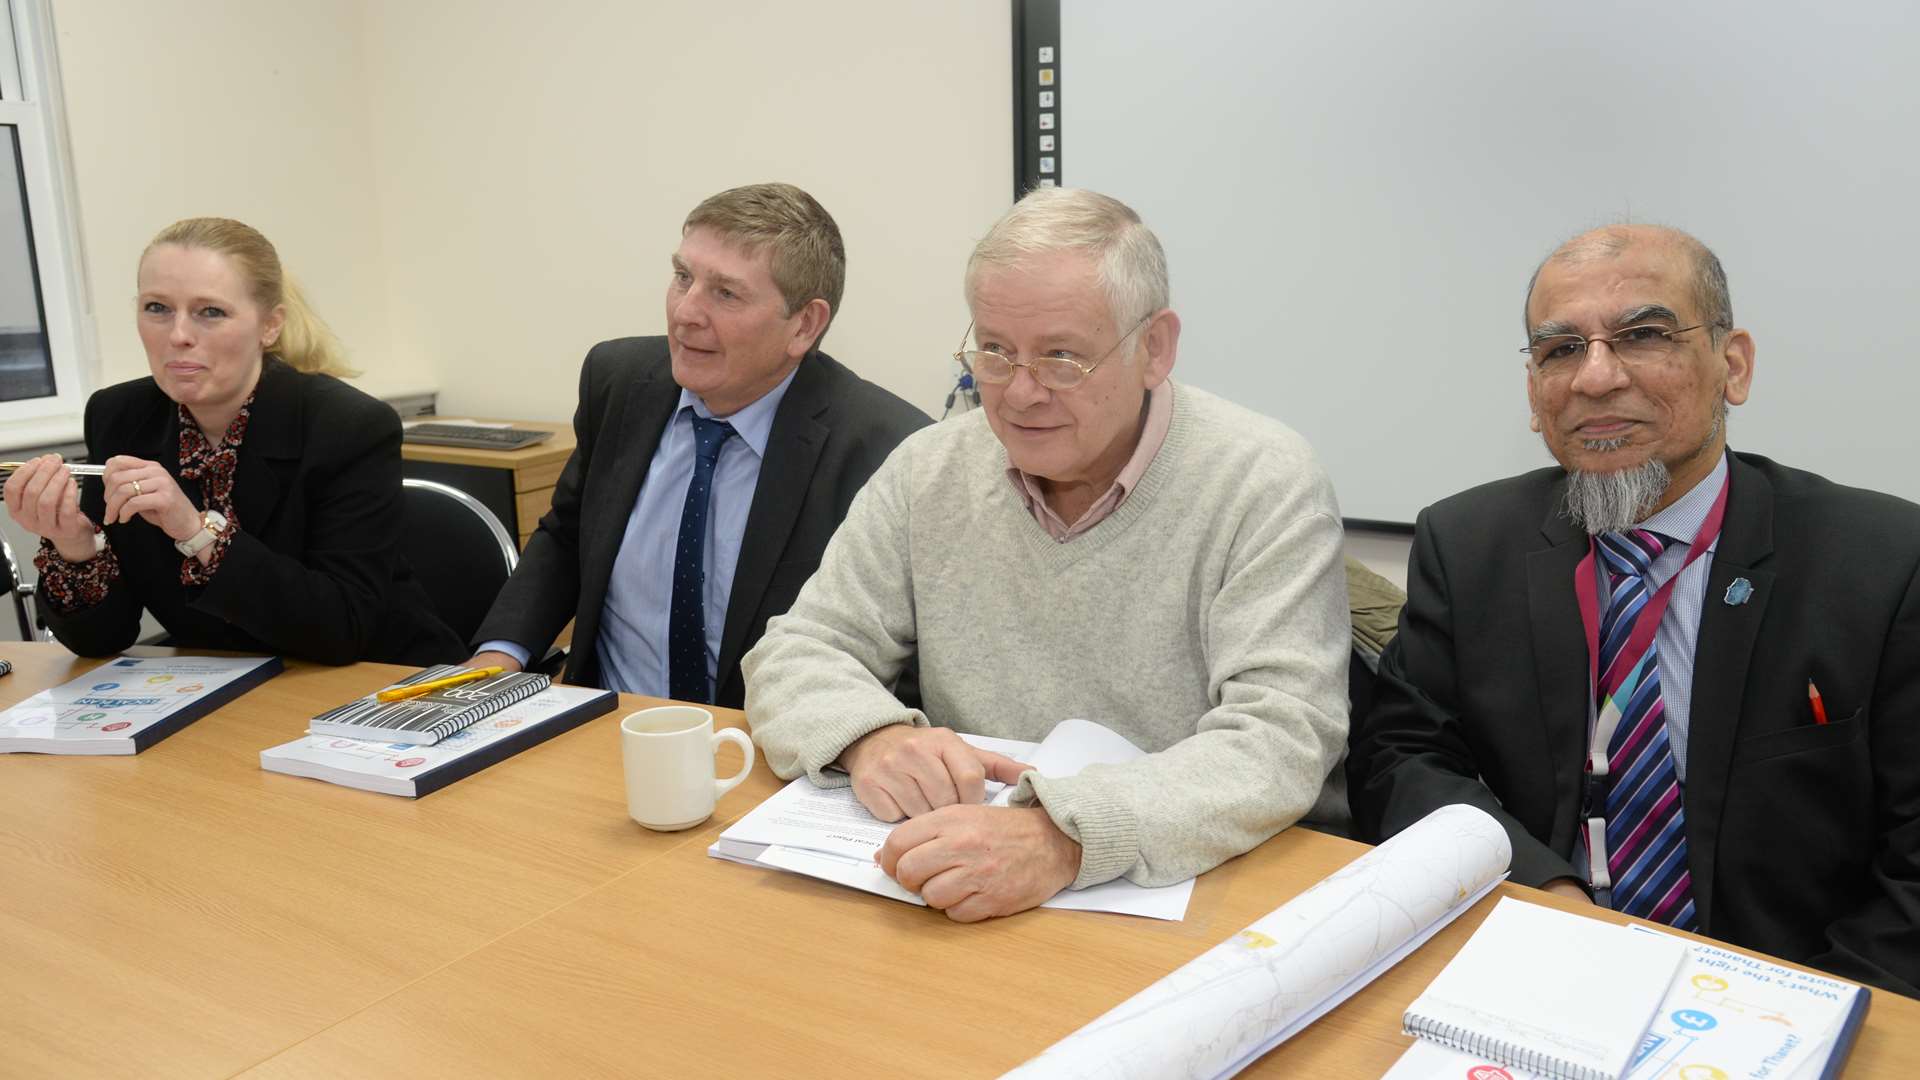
[734, 735]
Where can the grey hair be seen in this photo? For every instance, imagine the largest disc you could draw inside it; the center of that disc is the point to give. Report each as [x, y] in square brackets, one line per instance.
[1616, 501]
[1710, 292]
[1601, 502]
[1130, 264]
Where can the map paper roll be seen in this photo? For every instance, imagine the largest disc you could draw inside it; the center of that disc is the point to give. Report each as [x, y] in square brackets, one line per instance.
[1247, 994]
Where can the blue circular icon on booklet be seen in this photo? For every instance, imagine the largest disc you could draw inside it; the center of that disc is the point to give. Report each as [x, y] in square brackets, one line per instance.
[106, 686]
[1695, 1020]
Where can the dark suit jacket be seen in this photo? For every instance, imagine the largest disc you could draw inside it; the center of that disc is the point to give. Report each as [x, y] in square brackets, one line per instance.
[832, 430]
[1804, 838]
[314, 571]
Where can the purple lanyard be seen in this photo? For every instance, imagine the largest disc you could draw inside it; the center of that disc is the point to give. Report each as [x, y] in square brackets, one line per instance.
[1593, 792]
[1648, 623]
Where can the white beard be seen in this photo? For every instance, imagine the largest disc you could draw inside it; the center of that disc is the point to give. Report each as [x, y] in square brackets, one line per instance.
[1615, 501]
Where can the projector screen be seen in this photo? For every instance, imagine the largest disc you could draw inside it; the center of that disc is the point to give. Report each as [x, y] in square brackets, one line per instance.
[1353, 196]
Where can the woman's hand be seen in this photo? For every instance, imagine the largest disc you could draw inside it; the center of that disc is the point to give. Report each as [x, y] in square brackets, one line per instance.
[43, 499]
[140, 488]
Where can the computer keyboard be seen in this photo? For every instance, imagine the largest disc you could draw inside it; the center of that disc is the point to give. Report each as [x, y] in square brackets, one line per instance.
[477, 438]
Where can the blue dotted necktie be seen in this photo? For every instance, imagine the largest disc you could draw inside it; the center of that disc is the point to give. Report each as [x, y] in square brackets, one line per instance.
[687, 613]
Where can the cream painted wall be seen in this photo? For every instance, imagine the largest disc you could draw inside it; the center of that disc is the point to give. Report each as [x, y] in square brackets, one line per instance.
[253, 109]
[476, 191]
[533, 165]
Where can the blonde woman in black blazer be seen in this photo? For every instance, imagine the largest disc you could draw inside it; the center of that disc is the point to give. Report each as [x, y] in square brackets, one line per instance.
[251, 500]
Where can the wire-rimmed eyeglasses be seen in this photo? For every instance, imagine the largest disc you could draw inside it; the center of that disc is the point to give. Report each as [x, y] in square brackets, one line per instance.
[1052, 372]
[1647, 343]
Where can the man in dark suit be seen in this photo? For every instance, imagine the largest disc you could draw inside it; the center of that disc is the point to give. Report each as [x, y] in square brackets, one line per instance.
[1687, 681]
[713, 463]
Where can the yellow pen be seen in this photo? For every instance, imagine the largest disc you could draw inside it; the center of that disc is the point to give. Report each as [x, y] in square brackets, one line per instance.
[402, 693]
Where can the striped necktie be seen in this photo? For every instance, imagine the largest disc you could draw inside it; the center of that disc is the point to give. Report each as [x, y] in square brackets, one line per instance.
[1646, 825]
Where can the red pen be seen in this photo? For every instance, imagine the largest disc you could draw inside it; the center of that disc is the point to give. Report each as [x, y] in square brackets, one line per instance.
[1819, 707]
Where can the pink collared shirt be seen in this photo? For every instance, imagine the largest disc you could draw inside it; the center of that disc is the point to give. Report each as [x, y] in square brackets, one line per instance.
[1152, 434]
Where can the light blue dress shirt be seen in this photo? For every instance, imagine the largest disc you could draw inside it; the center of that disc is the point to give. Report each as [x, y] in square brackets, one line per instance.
[633, 625]
[1678, 637]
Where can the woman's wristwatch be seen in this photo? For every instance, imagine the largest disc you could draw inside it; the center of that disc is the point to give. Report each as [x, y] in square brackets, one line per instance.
[212, 524]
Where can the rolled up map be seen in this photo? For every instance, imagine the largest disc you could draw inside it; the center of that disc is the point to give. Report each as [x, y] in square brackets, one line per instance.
[1246, 995]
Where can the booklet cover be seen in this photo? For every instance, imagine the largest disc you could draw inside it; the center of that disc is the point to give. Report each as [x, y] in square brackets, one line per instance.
[126, 705]
[1500, 996]
[411, 770]
[1727, 1014]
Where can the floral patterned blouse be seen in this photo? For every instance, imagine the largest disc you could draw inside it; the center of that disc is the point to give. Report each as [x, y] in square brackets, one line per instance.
[70, 587]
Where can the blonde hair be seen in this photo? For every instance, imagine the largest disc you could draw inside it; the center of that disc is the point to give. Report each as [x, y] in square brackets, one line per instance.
[809, 260]
[305, 342]
[1131, 265]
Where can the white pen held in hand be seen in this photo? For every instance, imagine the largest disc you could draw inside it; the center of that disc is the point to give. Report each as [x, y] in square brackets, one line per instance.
[77, 470]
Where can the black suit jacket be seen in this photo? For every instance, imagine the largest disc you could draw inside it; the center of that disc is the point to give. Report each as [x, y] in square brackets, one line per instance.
[1804, 838]
[831, 431]
[314, 570]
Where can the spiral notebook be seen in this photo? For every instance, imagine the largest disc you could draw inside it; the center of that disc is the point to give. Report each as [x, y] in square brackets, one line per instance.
[427, 719]
[1554, 993]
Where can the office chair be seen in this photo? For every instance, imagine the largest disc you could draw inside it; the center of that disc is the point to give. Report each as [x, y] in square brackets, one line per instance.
[459, 551]
[30, 628]
[1373, 611]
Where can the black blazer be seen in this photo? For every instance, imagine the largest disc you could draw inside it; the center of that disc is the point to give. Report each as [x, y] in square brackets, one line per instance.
[1804, 839]
[314, 571]
[832, 430]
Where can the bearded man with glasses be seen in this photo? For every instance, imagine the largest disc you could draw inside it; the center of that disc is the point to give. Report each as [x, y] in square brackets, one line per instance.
[1687, 680]
[1096, 542]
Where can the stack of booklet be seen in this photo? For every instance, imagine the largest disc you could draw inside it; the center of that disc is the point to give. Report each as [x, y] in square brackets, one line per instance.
[1538, 992]
[128, 704]
[413, 770]
[427, 718]
[420, 745]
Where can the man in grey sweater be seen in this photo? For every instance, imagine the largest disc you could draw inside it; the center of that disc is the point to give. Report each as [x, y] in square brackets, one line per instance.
[1093, 542]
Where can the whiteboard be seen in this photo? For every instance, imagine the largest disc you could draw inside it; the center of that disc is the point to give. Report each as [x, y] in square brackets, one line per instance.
[1353, 196]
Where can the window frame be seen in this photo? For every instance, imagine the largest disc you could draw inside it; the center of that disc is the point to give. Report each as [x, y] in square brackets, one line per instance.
[32, 105]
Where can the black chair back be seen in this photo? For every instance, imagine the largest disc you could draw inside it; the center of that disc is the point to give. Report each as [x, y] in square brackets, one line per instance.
[31, 627]
[459, 551]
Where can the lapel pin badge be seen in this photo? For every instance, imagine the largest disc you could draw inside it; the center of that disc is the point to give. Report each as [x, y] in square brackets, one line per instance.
[1739, 592]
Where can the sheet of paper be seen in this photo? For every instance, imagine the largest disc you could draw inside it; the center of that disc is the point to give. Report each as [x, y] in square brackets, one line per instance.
[1361, 979]
[827, 833]
[1217, 1013]
[1071, 746]
[864, 875]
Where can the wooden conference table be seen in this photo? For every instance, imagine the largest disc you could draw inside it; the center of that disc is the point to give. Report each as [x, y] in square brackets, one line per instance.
[182, 913]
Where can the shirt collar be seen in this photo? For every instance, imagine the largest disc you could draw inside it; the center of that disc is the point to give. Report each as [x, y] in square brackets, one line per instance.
[755, 422]
[1682, 520]
[1152, 434]
[1155, 424]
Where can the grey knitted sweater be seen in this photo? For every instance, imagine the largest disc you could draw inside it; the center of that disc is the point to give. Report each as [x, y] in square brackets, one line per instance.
[1205, 620]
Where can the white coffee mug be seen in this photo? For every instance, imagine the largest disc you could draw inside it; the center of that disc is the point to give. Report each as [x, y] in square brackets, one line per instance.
[668, 753]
